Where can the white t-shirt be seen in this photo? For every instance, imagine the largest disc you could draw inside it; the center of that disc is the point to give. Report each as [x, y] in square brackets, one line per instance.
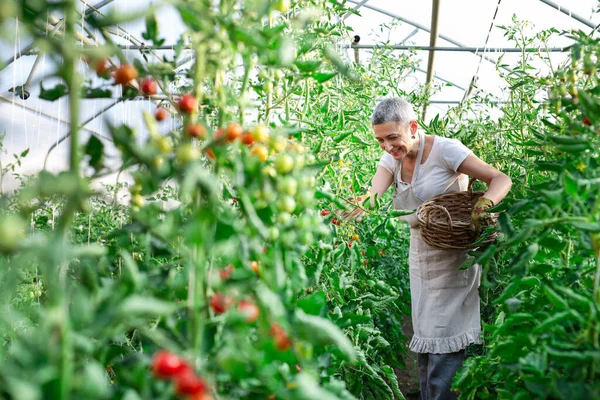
[437, 173]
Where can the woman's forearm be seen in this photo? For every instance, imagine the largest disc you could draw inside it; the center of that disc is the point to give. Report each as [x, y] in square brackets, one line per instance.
[381, 182]
[498, 188]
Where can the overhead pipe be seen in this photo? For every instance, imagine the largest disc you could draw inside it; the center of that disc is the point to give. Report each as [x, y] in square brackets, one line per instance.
[585, 21]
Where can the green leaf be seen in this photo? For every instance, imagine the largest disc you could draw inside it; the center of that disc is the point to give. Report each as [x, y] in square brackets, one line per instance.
[96, 384]
[308, 388]
[313, 304]
[53, 94]
[270, 301]
[570, 186]
[323, 76]
[391, 377]
[152, 30]
[146, 306]
[587, 226]
[95, 149]
[307, 65]
[324, 331]
[342, 136]
[97, 93]
[189, 16]
[400, 213]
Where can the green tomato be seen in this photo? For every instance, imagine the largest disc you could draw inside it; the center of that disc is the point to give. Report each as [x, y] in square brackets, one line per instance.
[284, 218]
[289, 238]
[308, 181]
[12, 230]
[158, 162]
[263, 74]
[268, 87]
[284, 163]
[282, 6]
[187, 153]
[306, 238]
[137, 200]
[305, 198]
[303, 222]
[287, 185]
[274, 231]
[286, 204]
[299, 162]
[163, 144]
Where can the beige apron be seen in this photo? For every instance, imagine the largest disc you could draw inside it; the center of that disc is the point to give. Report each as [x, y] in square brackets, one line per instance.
[444, 299]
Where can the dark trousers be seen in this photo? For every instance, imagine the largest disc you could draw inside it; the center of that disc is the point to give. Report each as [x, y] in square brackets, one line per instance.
[436, 372]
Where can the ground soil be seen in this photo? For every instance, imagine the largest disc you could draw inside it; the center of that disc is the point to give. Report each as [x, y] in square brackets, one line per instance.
[408, 378]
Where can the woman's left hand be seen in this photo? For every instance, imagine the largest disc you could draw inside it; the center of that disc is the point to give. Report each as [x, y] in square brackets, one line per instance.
[479, 218]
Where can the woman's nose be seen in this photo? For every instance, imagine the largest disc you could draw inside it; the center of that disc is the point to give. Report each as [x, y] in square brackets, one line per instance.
[388, 146]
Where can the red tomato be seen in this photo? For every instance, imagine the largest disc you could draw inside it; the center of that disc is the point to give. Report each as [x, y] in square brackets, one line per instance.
[247, 139]
[166, 365]
[189, 384]
[161, 114]
[587, 121]
[349, 244]
[187, 104]
[234, 131]
[249, 310]
[196, 131]
[125, 74]
[210, 153]
[220, 135]
[325, 213]
[102, 68]
[282, 340]
[220, 303]
[226, 273]
[149, 87]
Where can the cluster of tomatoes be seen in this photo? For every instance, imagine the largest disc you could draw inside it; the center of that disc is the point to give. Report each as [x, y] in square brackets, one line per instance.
[169, 366]
[221, 303]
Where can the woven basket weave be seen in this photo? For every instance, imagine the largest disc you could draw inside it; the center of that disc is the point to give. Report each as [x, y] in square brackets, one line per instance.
[445, 219]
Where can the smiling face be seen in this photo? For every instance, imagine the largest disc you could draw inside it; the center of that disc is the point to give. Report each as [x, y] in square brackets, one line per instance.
[395, 138]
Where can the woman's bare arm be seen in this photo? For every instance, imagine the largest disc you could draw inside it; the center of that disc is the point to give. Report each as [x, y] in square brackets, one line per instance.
[499, 183]
[381, 182]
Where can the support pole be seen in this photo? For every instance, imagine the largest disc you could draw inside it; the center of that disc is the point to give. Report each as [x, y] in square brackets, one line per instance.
[435, 13]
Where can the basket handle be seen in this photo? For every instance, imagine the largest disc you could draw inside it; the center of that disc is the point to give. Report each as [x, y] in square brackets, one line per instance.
[470, 186]
[443, 209]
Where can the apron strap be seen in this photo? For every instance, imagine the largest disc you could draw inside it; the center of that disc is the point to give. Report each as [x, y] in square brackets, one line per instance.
[456, 177]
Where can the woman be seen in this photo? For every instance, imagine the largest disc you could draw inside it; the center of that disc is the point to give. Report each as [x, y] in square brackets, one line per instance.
[445, 300]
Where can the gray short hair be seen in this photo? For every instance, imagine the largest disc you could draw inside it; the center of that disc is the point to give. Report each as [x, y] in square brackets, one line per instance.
[393, 109]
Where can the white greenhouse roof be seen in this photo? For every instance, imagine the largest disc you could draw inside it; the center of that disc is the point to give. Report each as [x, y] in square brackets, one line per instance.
[37, 124]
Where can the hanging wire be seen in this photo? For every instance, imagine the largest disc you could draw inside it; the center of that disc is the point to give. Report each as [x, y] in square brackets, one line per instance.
[12, 113]
[475, 77]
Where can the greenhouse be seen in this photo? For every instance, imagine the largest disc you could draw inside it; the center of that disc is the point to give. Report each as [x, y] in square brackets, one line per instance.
[299, 199]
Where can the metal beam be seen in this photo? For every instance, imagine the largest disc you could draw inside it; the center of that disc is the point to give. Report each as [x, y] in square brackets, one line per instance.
[398, 47]
[435, 13]
[28, 50]
[459, 102]
[571, 14]
[424, 28]
[52, 117]
[348, 14]
[468, 49]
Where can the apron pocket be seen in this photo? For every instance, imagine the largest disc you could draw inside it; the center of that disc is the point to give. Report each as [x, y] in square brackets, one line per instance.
[440, 268]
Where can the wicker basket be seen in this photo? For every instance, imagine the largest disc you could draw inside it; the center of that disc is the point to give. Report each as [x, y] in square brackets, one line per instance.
[445, 219]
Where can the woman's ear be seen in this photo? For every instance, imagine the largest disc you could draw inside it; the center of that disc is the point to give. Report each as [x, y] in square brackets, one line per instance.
[414, 126]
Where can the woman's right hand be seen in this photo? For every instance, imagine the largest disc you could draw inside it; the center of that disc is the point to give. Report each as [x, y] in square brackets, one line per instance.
[356, 213]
